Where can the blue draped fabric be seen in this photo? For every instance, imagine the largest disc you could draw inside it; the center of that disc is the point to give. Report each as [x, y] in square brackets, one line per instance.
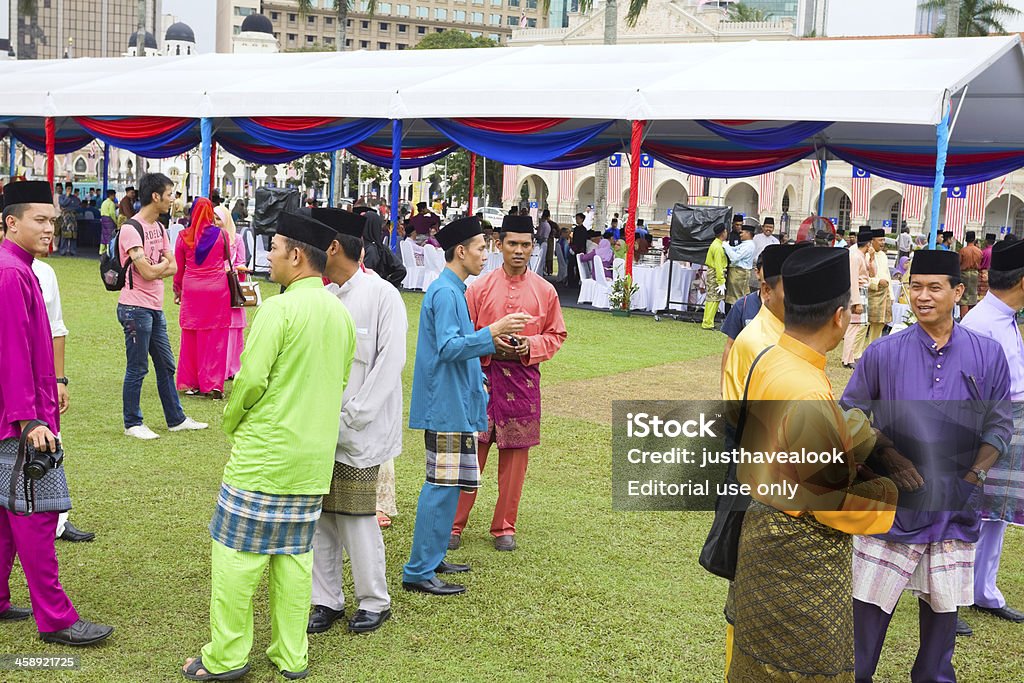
[780, 137]
[257, 153]
[916, 165]
[36, 141]
[150, 136]
[822, 170]
[206, 131]
[12, 147]
[511, 148]
[396, 179]
[386, 161]
[317, 139]
[580, 157]
[723, 159]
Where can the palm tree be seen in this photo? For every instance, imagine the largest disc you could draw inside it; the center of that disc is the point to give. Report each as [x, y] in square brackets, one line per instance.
[977, 17]
[742, 12]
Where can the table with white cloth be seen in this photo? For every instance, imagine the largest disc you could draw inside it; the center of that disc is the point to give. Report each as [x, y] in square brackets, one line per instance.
[654, 281]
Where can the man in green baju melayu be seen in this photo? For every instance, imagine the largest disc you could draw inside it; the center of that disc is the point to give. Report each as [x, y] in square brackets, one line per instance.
[282, 416]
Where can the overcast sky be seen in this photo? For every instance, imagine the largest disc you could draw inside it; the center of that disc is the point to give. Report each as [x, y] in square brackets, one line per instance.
[201, 15]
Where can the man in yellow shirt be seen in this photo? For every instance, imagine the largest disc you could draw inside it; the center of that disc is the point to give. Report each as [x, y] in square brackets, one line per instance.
[793, 586]
[716, 263]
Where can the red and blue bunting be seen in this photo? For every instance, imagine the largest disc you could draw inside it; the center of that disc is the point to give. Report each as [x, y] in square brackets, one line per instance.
[511, 125]
[724, 161]
[155, 137]
[411, 157]
[308, 134]
[587, 155]
[243, 148]
[916, 165]
[66, 143]
[527, 149]
[750, 134]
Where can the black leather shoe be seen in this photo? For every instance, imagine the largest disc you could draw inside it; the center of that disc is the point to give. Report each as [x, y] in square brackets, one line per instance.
[321, 618]
[506, 543]
[13, 613]
[451, 568]
[434, 586]
[82, 632]
[1005, 612]
[75, 535]
[963, 628]
[364, 622]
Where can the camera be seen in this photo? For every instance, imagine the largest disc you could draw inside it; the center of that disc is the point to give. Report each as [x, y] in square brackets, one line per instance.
[38, 463]
[514, 341]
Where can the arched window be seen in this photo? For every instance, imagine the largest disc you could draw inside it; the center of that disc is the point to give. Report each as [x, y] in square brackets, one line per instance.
[80, 165]
[845, 212]
[785, 203]
[1018, 223]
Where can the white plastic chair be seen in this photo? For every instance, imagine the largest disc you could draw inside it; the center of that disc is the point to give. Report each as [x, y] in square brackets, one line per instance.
[260, 262]
[173, 230]
[537, 259]
[413, 271]
[586, 282]
[433, 264]
[602, 286]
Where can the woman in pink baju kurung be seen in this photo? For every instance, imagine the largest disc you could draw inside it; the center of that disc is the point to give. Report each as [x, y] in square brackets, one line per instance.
[201, 288]
[236, 333]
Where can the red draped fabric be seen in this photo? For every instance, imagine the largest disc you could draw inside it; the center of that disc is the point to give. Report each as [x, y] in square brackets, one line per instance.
[512, 125]
[407, 152]
[293, 123]
[133, 127]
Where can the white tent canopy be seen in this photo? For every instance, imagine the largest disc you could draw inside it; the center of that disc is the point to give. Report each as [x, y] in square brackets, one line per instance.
[876, 90]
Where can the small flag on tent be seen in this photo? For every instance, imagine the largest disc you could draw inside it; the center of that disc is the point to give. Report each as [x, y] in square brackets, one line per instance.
[861, 192]
[646, 186]
[766, 193]
[566, 185]
[614, 195]
[913, 202]
[509, 183]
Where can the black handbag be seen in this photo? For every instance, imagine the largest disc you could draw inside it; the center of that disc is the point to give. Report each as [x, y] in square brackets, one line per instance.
[234, 287]
[722, 546]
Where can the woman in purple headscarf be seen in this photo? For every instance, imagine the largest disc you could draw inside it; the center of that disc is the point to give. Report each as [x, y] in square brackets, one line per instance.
[201, 288]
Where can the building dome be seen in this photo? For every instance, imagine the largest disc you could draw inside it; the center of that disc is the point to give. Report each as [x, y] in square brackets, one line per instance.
[149, 40]
[180, 31]
[257, 23]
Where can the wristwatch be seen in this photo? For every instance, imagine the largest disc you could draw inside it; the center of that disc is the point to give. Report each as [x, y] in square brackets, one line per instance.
[62, 380]
[980, 474]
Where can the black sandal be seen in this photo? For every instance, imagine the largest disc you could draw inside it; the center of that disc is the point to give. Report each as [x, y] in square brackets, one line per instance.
[191, 672]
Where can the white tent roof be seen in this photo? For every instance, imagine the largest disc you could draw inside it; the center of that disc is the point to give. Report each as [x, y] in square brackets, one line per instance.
[871, 88]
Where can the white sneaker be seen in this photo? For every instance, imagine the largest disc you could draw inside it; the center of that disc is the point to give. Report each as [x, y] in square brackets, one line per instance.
[141, 432]
[188, 425]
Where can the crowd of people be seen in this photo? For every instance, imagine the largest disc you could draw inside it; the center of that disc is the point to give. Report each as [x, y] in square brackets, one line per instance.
[313, 413]
[931, 421]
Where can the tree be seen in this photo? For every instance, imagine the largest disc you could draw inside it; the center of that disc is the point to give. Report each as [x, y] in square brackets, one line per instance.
[314, 169]
[977, 17]
[458, 178]
[742, 12]
[453, 39]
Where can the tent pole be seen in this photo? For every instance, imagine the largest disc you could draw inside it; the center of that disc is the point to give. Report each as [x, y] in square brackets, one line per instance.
[51, 148]
[106, 170]
[472, 183]
[213, 167]
[942, 146]
[636, 139]
[330, 183]
[822, 168]
[206, 154]
[12, 148]
[396, 179]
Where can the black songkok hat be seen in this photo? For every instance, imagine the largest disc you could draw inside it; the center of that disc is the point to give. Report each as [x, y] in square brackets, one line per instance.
[970, 236]
[511, 223]
[341, 221]
[935, 262]
[1008, 256]
[421, 205]
[719, 229]
[458, 231]
[768, 221]
[947, 233]
[877, 232]
[28, 192]
[816, 274]
[748, 228]
[864, 235]
[304, 228]
[774, 255]
[990, 237]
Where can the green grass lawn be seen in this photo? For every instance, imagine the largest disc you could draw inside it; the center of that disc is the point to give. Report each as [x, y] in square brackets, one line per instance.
[591, 594]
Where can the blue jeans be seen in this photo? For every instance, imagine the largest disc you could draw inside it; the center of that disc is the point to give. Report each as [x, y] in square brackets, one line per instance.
[145, 335]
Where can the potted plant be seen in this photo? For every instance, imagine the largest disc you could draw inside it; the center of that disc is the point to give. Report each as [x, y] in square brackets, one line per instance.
[621, 294]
